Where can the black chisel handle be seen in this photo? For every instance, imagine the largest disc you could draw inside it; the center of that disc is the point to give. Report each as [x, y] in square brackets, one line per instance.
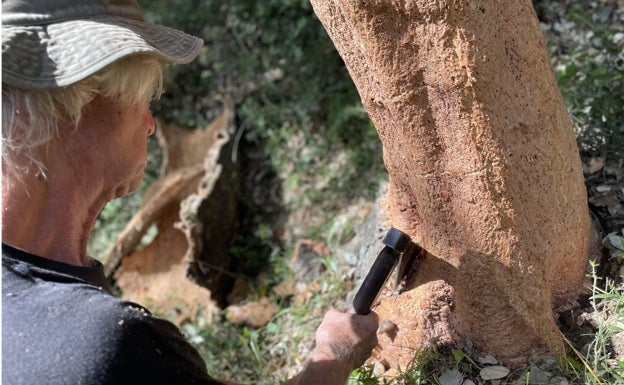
[375, 280]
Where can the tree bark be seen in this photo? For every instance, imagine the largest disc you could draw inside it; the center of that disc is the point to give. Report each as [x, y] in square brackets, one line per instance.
[484, 171]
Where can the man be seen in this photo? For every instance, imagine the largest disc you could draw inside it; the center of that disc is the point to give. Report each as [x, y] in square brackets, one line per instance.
[77, 78]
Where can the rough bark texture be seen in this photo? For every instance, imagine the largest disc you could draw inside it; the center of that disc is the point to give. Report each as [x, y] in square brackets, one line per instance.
[483, 167]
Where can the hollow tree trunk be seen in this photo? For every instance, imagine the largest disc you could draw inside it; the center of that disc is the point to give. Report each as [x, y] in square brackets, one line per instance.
[483, 167]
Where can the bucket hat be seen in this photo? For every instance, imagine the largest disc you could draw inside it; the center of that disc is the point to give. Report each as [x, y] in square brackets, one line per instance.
[55, 43]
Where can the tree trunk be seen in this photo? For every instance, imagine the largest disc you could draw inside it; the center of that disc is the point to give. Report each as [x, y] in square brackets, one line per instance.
[484, 171]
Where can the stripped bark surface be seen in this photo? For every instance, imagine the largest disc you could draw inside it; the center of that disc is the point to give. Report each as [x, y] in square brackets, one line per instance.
[483, 167]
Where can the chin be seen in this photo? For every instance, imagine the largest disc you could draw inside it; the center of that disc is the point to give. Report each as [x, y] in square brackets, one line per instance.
[129, 187]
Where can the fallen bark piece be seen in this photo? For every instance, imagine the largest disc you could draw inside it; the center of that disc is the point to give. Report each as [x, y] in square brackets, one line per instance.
[305, 262]
[255, 314]
[161, 194]
[158, 274]
[286, 289]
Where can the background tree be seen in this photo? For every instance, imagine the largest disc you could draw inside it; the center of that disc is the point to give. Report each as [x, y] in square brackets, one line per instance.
[484, 169]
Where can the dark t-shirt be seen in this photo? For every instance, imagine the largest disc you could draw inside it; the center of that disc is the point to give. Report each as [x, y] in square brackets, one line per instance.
[60, 325]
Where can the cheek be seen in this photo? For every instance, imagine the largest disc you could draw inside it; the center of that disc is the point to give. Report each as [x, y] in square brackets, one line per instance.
[145, 123]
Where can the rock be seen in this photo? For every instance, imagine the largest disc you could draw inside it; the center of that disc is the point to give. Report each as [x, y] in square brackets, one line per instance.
[378, 369]
[361, 251]
[593, 165]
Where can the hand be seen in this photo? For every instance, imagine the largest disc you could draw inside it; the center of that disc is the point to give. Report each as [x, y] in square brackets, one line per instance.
[346, 338]
[343, 342]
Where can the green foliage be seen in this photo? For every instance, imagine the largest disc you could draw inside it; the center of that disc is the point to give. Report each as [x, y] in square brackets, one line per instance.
[595, 365]
[590, 72]
[600, 367]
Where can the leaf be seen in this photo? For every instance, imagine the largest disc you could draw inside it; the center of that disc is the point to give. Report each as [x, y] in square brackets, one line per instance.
[613, 210]
[494, 372]
[573, 363]
[488, 359]
[272, 327]
[458, 355]
[451, 377]
[616, 241]
[604, 199]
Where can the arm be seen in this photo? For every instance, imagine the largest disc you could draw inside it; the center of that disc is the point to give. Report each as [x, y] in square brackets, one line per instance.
[343, 342]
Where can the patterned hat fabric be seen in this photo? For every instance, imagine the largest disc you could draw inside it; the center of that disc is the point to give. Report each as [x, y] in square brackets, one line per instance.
[55, 43]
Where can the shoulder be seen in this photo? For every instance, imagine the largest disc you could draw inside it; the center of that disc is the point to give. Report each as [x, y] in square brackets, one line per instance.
[150, 348]
[108, 340]
[134, 328]
[62, 327]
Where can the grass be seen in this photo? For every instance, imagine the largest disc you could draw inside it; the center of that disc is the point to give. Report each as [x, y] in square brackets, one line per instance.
[598, 363]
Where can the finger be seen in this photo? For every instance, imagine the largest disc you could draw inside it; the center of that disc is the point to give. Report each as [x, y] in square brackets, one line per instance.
[374, 316]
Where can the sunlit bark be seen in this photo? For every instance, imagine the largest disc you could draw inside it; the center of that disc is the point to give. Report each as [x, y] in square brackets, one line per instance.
[483, 165]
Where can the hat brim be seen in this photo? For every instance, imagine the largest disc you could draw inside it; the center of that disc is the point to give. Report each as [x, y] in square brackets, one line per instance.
[61, 54]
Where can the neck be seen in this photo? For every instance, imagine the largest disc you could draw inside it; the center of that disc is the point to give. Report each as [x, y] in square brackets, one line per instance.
[48, 218]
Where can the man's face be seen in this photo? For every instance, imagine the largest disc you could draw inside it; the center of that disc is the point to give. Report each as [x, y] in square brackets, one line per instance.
[110, 145]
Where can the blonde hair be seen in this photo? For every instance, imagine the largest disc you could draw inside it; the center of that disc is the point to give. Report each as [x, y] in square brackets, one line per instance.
[31, 118]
